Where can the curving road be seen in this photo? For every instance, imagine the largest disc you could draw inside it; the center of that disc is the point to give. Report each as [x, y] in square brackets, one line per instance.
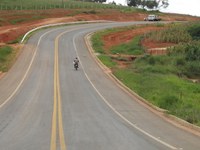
[46, 105]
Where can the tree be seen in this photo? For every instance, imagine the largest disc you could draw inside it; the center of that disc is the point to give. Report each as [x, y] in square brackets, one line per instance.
[148, 4]
[113, 3]
[96, 1]
[134, 3]
[99, 1]
[163, 3]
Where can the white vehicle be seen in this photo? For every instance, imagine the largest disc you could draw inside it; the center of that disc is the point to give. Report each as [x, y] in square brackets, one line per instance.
[152, 18]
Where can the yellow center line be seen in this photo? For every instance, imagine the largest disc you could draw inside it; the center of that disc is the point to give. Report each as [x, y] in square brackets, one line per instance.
[57, 109]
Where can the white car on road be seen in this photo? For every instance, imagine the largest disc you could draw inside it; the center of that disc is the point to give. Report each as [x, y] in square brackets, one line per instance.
[152, 18]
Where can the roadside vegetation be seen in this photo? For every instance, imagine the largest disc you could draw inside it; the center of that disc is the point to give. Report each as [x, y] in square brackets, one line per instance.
[32, 10]
[185, 56]
[55, 4]
[175, 33]
[7, 55]
[21, 20]
[170, 81]
[132, 48]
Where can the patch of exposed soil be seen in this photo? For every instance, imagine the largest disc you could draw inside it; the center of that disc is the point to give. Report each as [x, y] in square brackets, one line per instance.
[122, 60]
[114, 39]
[149, 44]
[122, 64]
[155, 48]
[1, 74]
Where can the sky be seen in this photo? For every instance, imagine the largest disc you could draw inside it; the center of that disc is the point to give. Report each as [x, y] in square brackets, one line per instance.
[189, 7]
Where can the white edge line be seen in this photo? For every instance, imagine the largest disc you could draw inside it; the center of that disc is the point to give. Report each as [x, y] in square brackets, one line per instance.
[59, 24]
[26, 73]
[118, 113]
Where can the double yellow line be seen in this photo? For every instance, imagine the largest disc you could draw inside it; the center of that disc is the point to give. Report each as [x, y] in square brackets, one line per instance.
[57, 134]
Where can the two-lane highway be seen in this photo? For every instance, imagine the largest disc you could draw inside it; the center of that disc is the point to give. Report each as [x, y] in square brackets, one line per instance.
[46, 105]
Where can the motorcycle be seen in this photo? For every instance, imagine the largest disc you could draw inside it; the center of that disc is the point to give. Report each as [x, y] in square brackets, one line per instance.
[76, 66]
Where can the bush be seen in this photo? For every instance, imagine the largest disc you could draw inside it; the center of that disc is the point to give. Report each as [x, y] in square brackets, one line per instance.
[192, 52]
[187, 59]
[180, 62]
[168, 102]
[194, 30]
[90, 12]
[193, 69]
[4, 52]
[152, 60]
[158, 60]
[190, 114]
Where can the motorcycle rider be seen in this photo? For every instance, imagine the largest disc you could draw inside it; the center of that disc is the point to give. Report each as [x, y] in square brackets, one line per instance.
[75, 62]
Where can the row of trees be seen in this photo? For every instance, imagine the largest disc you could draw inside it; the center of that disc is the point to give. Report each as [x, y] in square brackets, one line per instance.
[148, 4]
[145, 4]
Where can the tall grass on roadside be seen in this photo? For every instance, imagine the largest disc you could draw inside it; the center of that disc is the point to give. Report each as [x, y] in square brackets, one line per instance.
[175, 33]
[194, 30]
[187, 59]
[5, 54]
[180, 97]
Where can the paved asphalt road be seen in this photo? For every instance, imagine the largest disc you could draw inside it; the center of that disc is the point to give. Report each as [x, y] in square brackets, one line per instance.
[46, 105]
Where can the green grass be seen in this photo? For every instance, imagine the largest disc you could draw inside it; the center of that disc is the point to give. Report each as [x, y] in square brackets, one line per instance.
[154, 64]
[179, 96]
[21, 20]
[106, 60]
[97, 42]
[162, 86]
[131, 48]
[2, 19]
[5, 55]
